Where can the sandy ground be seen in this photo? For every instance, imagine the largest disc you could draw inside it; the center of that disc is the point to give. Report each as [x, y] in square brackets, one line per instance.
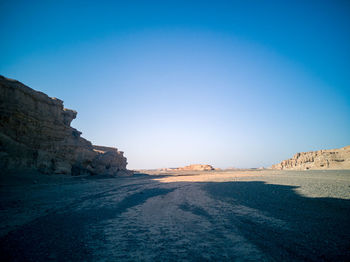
[185, 216]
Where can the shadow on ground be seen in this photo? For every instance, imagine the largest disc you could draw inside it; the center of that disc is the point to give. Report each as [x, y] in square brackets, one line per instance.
[318, 228]
[281, 224]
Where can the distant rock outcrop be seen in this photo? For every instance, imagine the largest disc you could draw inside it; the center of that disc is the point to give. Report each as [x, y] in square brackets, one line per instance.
[322, 159]
[35, 133]
[196, 167]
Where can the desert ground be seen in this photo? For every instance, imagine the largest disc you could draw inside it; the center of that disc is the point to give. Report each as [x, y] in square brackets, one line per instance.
[243, 215]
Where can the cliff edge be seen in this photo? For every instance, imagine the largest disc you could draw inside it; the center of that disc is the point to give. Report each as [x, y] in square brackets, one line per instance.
[35, 134]
[321, 159]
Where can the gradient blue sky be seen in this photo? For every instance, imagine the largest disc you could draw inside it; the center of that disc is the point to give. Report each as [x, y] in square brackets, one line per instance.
[170, 83]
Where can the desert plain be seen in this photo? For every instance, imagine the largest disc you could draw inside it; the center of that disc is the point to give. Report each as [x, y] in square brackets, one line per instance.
[227, 215]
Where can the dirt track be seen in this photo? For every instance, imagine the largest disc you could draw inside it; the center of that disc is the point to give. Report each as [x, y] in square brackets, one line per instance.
[209, 216]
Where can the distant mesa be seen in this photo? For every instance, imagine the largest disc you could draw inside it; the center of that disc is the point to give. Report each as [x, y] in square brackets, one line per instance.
[195, 167]
[322, 159]
[35, 134]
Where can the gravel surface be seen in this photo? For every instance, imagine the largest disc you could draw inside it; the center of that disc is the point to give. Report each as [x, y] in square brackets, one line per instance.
[185, 216]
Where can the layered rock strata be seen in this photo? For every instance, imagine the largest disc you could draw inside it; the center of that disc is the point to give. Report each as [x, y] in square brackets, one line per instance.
[35, 133]
[322, 159]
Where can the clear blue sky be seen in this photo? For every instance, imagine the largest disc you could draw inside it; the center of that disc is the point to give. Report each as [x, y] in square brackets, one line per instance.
[170, 83]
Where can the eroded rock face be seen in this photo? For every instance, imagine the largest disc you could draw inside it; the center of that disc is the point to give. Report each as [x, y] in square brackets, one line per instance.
[35, 133]
[322, 159]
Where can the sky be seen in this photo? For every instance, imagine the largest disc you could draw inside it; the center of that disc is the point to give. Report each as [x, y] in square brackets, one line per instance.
[172, 83]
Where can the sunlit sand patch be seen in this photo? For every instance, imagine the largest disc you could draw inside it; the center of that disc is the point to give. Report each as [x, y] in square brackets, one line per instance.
[207, 177]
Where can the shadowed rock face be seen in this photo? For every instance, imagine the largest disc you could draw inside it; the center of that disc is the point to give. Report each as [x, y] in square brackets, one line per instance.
[322, 159]
[35, 133]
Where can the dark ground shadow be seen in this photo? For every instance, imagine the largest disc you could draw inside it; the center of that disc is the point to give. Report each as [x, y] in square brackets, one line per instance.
[61, 236]
[318, 228]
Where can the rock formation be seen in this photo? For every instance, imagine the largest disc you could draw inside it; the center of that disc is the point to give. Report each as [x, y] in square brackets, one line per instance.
[196, 167]
[35, 133]
[322, 159]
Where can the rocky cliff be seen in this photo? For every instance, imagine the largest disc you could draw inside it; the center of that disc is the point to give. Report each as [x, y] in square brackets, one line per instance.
[322, 159]
[35, 133]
